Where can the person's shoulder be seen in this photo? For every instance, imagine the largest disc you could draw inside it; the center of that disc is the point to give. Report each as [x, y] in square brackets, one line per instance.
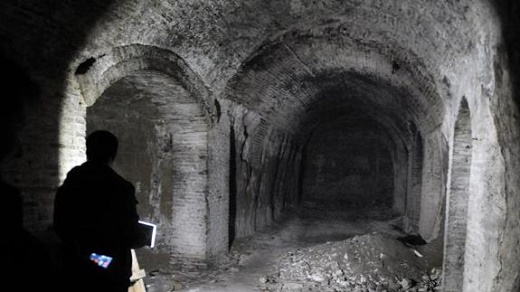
[121, 180]
[76, 170]
[126, 183]
[74, 174]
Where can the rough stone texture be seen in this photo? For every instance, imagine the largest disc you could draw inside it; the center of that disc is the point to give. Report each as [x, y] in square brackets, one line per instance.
[266, 175]
[372, 262]
[414, 183]
[280, 70]
[433, 185]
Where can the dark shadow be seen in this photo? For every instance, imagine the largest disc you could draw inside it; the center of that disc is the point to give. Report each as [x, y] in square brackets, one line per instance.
[301, 174]
[21, 250]
[232, 187]
[39, 39]
[412, 240]
[18, 92]
[508, 11]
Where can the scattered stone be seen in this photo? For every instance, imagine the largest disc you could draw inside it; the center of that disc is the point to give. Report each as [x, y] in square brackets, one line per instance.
[406, 283]
[176, 286]
[233, 270]
[373, 262]
[292, 287]
[317, 278]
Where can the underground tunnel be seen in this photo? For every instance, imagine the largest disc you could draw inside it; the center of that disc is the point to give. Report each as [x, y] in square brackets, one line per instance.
[352, 148]
[360, 157]
[283, 145]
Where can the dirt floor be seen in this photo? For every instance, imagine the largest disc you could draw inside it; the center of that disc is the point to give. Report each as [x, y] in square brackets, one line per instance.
[317, 249]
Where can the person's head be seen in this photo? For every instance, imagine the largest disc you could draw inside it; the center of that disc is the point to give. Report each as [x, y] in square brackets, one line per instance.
[101, 147]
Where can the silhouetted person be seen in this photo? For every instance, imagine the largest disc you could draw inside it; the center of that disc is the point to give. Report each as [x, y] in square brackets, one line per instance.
[95, 212]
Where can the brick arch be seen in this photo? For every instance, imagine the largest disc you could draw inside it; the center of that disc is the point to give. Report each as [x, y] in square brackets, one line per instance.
[276, 67]
[180, 205]
[96, 74]
[285, 78]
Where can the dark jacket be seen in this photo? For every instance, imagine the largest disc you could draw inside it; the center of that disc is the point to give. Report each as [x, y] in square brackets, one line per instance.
[95, 212]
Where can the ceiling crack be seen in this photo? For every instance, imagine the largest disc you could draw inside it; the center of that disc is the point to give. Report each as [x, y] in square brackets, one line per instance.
[299, 60]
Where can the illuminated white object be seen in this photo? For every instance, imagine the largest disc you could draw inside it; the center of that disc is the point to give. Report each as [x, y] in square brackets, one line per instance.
[151, 230]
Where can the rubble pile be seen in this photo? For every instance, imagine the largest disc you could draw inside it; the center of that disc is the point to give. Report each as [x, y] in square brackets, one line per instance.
[373, 262]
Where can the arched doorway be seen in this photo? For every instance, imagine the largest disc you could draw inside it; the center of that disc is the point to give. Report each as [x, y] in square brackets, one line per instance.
[163, 150]
[158, 108]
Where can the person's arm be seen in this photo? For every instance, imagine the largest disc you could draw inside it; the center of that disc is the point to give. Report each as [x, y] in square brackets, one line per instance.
[59, 222]
[136, 237]
[63, 211]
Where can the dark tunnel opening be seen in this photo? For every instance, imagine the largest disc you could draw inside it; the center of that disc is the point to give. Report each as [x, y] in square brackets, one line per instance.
[348, 165]
[363, 152]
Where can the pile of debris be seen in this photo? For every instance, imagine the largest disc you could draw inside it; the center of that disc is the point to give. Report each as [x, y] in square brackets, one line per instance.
[373, 262]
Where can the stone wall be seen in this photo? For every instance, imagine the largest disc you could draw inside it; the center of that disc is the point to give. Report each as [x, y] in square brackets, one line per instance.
[266, 172]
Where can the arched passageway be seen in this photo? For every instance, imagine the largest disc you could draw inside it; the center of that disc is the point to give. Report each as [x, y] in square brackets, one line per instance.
[151, 100]
[163, 134]
[331, 134]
